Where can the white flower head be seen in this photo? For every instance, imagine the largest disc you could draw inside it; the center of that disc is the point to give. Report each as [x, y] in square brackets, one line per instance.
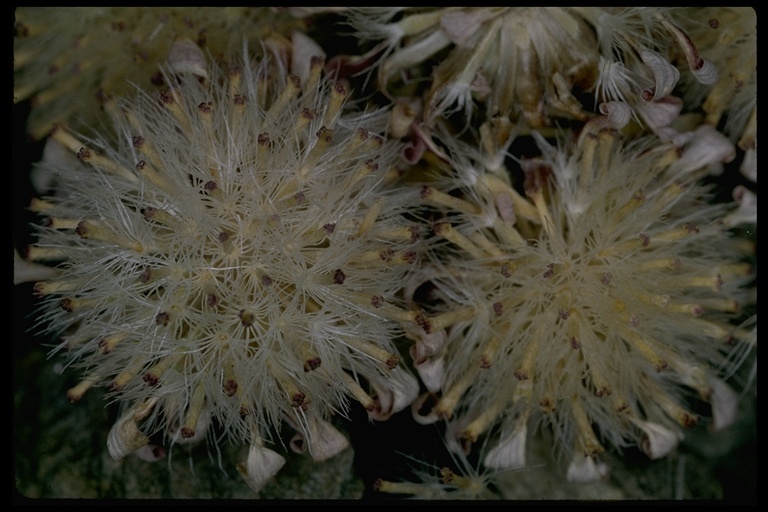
[237, 253]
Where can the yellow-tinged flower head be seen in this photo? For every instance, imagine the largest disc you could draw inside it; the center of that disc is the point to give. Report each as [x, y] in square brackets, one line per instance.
[234, 256]
[522, 62]
[587, 303]
[68, 59]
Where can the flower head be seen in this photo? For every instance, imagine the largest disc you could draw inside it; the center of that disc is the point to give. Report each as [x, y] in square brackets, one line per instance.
[590, 305]
[235, 256]
[68, 60]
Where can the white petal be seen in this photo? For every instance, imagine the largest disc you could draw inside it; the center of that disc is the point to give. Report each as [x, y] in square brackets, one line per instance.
[461, 25]
[658, 440]
[394, 394]
[421, 415]
[618, 113]
[25, 271]
[509, 453]
[327, 440]
[665, 75]
[186, 57]
[262, 464]
[304, 48]
[748, 167]
[661, 113]
[707, 147]
[746, 213]
[725, 404]
[584, 469]
[707, 73]
[432, 372]
[150, 453]
[125, 437]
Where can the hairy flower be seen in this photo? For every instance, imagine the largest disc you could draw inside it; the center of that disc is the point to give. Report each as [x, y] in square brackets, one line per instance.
[522, 62]
[588, 307]
[235, 256]
[68, 59]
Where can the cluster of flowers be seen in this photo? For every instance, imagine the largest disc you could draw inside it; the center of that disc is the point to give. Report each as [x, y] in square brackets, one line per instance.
[272, 231]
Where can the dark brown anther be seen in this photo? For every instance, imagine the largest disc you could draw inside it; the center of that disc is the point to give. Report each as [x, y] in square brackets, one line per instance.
[426, 192]
[166, 97]
[211, 300]
[299, 197]
[140, 165]
[83, 154]
[521, 375]
[150, 379]
[145, 276]
[205, 107]
[325, 135]
[386, 255]
[313, 363]
[714, 23]
[505, 270]
[329, 228]
[263, 140]
[53, 69]
[223, 236]
[162, 318]
[338, 276]
[690, 228]
[550, 271]
[210, 186]
[138, 141]
[498, 308]
[187, 432]
[415, 233]
[371, 165]
[547, 405]
[646, 239]
[230, 387]
[606, 278]
[308, 113]
[377, 301]
[295, 80]
[67, 305]
[575, 343]
[266, 280]
[240, 100]
[424, 323]
[298, 399]
[634, 321]
[563, 314]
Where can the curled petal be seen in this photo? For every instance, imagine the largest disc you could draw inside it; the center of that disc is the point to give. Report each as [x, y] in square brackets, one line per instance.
[509, 453]
[725, 404]
[394, 395]
[325, 440]
[423, 409]
[124, 436]
[617, 112]
[585, 469]
[707, 73]
[432, 372]
[665, 75]
[260, 466]
[658, 440]
[186, 57]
